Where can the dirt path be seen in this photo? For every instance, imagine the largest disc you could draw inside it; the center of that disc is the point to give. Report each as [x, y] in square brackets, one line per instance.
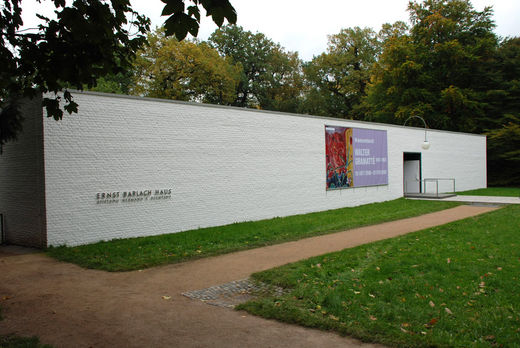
[68, 306]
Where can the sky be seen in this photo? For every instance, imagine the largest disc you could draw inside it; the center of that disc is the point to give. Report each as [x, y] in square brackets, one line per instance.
[303, 25]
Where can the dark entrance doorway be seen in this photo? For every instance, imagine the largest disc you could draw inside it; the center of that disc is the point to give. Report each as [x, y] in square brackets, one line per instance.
[412, 174]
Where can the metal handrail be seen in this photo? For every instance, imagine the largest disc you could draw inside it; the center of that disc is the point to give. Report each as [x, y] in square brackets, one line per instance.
[436, 180]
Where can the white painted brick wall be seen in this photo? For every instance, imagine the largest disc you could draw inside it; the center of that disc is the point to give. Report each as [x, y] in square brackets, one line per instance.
[224, 165]
[21, 182]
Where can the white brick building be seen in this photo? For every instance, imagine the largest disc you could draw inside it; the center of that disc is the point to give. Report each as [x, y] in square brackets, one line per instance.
[191, 165]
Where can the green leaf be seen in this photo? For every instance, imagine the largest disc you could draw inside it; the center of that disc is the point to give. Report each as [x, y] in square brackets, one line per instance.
[194, 11]
[172, 6]
[52, 106]
[180, 24]
[220, 9]
[71, 107]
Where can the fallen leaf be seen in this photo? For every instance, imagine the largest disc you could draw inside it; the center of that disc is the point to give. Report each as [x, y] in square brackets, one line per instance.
[404, 330]
[371, 295]
[372, 318]
[448, 260]
[433, 322]
[489, 338]
[357, 292]
[448, 311]
[333, 317]
[167, 297]
[432, 304]
[423, 332]
[405, 324]
[499, 268]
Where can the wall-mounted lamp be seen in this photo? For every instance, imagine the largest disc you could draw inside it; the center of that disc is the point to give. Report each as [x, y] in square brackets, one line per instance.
[426, 144]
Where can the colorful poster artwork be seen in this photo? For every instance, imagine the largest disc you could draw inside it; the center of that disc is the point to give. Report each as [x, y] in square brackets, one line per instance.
[355, 157]
[338, 150]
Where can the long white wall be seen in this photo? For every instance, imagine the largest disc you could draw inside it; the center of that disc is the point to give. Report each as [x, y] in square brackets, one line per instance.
[223, 165]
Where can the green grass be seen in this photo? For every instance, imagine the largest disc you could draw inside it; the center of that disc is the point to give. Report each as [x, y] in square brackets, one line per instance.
[451, 286]
[138, 253]
[493, 191]
[12, 341]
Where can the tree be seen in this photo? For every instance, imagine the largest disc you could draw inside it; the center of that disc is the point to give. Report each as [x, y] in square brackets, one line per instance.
[442, 70]
[119, 83]
[87, 40]
[504, 106]
[281, 87]
[184, 70]
[507, 99]
[271, 77]
[504, 153]
[338, 78]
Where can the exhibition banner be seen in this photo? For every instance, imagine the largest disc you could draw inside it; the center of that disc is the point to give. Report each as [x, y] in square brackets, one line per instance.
[355, 157]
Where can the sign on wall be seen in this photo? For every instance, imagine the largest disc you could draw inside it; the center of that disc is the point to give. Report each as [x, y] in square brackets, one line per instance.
[355, 157]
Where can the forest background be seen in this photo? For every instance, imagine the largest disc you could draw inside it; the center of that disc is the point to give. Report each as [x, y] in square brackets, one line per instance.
[445, 65]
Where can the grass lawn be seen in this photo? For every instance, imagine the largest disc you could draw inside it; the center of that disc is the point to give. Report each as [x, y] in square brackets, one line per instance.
[493, 191]
[455, 285]
[138, 253]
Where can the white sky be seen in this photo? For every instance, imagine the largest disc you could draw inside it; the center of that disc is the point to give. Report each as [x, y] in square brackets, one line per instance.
[303, 25]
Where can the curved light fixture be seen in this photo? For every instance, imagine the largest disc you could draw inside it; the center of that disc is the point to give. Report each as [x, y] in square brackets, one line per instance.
[426, 144]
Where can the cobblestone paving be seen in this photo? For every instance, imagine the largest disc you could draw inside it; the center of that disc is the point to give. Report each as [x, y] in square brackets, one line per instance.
[233, 293]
